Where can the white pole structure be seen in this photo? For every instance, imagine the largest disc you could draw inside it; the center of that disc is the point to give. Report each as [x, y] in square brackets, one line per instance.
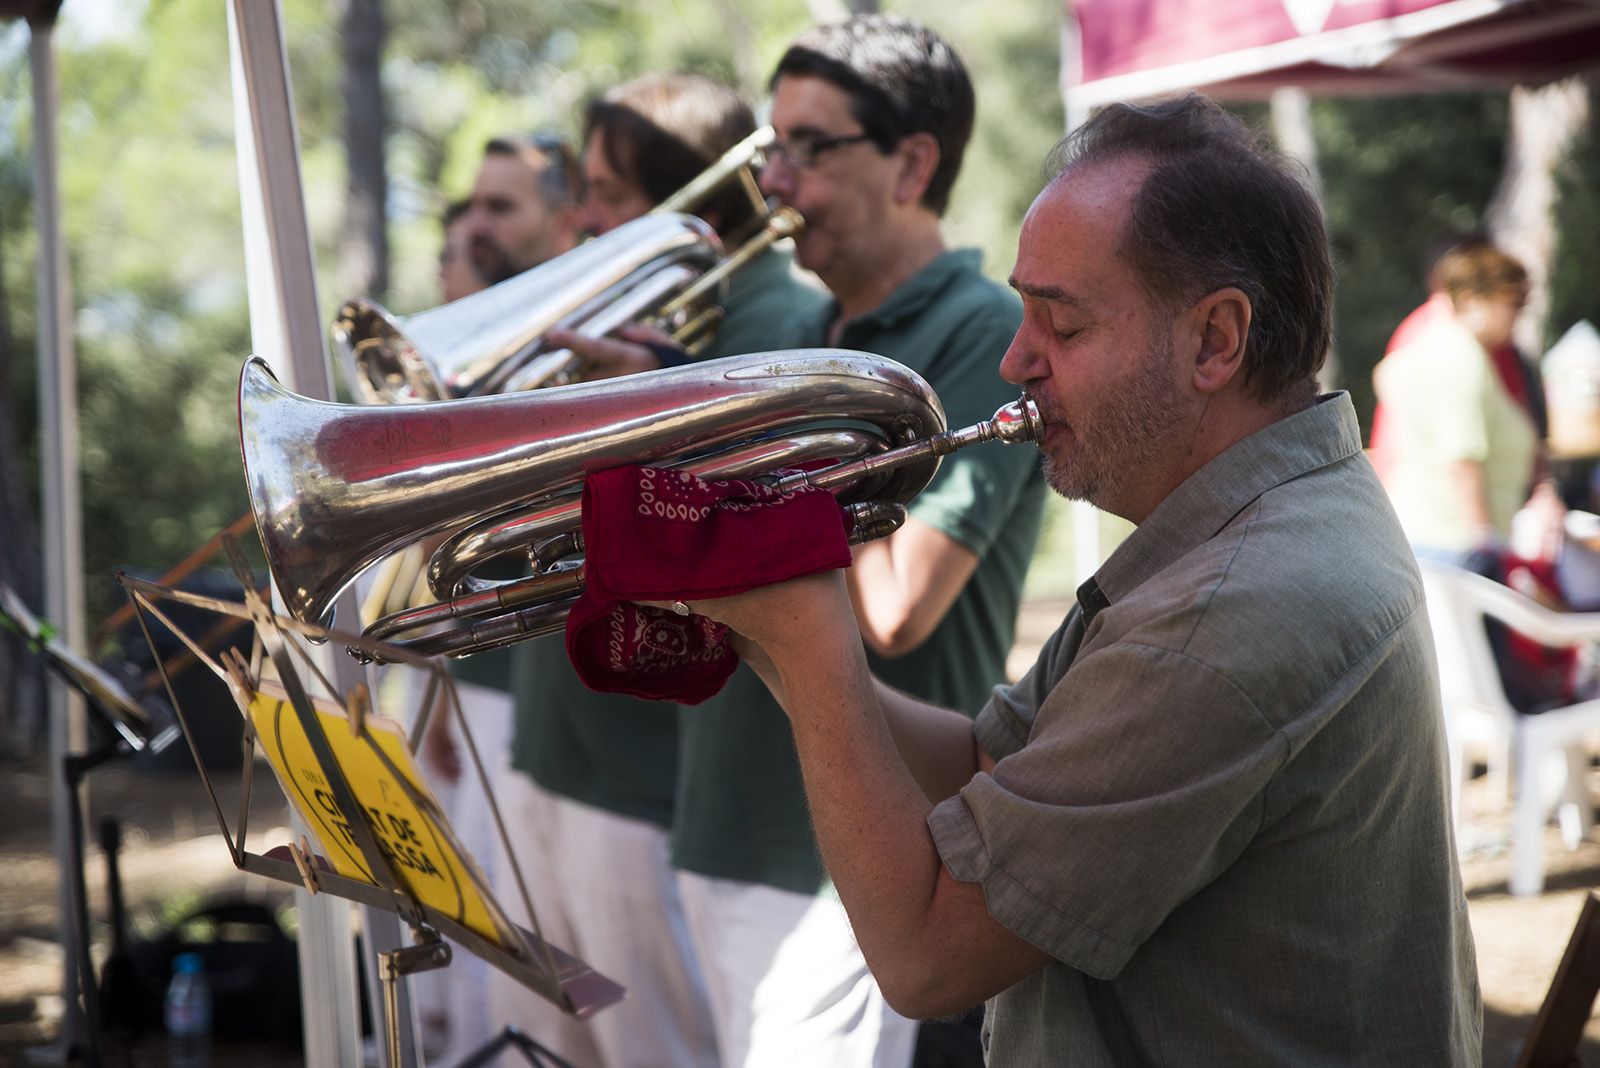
[1291, 125]
[286, 328]
[63, 515]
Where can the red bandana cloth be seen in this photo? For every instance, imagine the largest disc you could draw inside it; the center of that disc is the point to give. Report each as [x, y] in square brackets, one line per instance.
[657, 534]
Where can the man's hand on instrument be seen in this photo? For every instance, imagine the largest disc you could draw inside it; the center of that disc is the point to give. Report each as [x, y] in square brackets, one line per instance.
[626, 353]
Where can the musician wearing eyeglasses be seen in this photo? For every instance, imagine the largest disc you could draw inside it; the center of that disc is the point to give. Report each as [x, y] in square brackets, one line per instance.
[1211, 825]
[872, 117]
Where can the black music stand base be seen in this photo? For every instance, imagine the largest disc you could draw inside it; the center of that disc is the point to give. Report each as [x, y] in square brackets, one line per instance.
[74, 766]
[538, 1056]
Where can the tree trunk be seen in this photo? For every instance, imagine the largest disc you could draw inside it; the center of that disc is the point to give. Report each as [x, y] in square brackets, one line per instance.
[21, 679]
[1545, 122]
[364, 242]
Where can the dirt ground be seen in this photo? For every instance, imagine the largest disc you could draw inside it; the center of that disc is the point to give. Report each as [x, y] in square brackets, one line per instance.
[173, 857]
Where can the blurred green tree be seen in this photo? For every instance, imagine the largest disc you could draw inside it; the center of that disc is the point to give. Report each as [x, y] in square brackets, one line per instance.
[1399, 175]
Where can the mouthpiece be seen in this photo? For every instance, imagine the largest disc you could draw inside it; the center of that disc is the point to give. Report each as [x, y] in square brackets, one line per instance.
[1014, 424]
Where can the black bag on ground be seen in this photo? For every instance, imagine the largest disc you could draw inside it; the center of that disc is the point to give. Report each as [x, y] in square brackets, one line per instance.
[251, 967]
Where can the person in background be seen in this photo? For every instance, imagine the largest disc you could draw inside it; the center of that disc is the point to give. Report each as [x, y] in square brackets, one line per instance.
[590, 791]
[1220, 793]
[523, 209]
[451, 1003]
[1517, 375]
[1465, 460]
[1463, 450]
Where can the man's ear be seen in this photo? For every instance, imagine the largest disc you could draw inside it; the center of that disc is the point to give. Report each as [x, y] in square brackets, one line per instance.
[1221, 321]
[919, 156]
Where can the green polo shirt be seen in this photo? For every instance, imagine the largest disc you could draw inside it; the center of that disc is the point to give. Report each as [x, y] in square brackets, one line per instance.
[608, 750]
[741, 806]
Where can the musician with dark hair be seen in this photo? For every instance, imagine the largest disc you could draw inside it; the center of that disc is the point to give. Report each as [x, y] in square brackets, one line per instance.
[523, 209]
[647, 138]
[1212, 823]
[871, 118]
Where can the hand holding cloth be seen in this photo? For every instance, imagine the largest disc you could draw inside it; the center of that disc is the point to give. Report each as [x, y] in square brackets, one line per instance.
[655, 534]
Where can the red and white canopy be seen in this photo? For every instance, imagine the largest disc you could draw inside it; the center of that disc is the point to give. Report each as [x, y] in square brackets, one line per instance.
[1242, 49]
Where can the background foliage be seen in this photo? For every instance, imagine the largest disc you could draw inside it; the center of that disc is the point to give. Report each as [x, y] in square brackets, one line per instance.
[152, 214]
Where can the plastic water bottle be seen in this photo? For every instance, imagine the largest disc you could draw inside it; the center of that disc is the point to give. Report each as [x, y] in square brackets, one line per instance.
[188, 1013]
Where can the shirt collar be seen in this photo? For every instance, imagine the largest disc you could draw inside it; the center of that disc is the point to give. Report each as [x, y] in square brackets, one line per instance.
[1323, 434]
[915, 293]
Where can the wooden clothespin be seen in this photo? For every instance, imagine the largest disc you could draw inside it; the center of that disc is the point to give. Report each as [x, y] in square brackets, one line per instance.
[303, 863]
[356, 705]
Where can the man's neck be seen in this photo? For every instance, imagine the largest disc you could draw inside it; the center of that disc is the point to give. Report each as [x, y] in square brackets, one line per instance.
[864, 284]
[1222, 422]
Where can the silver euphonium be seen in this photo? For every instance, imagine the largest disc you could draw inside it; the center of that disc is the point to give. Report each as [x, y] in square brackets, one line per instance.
[666, 268]
[336, 487]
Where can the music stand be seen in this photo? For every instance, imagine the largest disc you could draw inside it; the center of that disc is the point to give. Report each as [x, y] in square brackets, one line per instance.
[130, 727]
[332, 755]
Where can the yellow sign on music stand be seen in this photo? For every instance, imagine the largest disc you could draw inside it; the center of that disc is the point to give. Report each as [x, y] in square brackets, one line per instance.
[422, 854]
[382, 838]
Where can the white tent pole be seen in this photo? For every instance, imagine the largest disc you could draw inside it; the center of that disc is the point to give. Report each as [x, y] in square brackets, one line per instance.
[1291, 125]
[287, 329]
[63, 523]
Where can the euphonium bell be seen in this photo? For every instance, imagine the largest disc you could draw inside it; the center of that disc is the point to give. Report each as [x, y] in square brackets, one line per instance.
[336, 487]
[666, 268]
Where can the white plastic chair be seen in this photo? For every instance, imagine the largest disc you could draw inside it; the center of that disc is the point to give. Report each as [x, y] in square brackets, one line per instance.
[1476, 709]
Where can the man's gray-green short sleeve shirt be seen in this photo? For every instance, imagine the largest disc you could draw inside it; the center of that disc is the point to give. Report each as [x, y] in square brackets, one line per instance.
[1221, 799]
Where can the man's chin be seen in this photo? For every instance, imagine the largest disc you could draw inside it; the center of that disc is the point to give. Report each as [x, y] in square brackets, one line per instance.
[1068, 482]
[493, 265]
[810, 252]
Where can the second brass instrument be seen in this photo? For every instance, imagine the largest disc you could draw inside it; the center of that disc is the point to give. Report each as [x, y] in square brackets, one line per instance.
[666, 268]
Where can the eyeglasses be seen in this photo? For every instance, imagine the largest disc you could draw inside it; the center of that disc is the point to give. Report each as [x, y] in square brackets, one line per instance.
[802, 152]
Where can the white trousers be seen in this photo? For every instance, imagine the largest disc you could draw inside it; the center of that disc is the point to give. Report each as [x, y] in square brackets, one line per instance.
[603, 890]
[788, 984]
[460, 992]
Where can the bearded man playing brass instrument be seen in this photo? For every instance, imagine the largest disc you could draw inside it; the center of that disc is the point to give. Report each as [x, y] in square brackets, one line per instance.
[1212, 823]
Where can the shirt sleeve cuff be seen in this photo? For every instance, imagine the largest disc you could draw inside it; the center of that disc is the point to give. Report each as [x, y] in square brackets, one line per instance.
[961, 845]
[999, 732]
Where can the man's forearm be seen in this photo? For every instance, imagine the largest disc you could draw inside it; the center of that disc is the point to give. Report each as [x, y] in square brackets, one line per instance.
[928, 939]
[936, 744]
[869, 812]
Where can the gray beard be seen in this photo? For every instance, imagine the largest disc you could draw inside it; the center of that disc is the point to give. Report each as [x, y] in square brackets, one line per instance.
[1125, 435]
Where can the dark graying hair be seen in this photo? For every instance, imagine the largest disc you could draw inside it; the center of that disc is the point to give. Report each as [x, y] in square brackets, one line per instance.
[659, 131]
[1217, 209]
[551, 158]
